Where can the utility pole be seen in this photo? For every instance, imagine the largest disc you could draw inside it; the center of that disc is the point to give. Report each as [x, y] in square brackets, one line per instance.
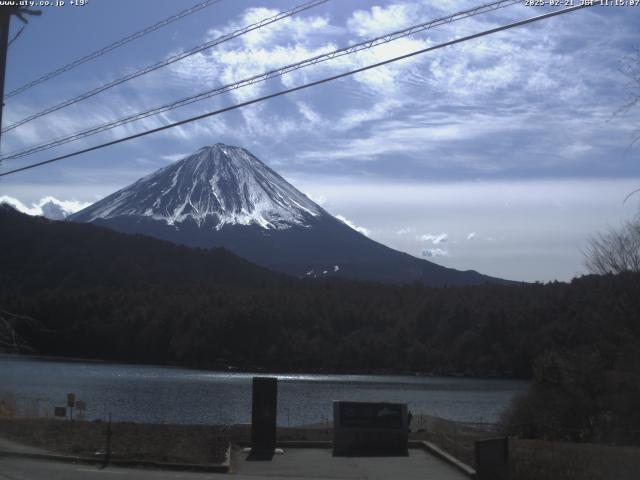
[5, 22]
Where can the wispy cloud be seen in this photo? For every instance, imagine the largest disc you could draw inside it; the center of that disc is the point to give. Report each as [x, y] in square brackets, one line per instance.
[405, 231]
[435, 252]
[319, 199]
[436, 239]
[174, 157]
[379, 20]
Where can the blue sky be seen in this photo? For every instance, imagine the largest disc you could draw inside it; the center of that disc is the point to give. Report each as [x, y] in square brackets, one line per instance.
[499, 154]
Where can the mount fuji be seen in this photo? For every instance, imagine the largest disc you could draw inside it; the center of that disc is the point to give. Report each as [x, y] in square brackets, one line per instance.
[223, 196]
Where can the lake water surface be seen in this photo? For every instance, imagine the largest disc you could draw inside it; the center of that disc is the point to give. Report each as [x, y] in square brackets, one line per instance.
[155, 394]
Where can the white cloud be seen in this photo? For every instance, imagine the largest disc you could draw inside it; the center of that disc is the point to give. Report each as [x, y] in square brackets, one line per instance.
[293, 40]
[471, 235]
[357, 228]
[309, 113]
[380, 20]
[436, 239]
[273, 46]
[319, 199]
[355, 117]
[174, 157]
[18, 205]
[291, 28]
[48, 207]
[576, 149]
[435, 252]
[405, 231]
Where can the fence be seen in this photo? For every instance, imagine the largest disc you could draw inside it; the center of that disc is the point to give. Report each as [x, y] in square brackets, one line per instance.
[292, 415]
[541, 460]
[533, 459]
[456, 438]
[30, 421]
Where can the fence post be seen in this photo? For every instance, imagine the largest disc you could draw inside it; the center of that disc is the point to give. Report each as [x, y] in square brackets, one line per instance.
[455, 441]
[107, 456]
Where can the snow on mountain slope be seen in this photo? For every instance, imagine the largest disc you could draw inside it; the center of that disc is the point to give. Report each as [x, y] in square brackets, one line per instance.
[223, 196]
[217, 186]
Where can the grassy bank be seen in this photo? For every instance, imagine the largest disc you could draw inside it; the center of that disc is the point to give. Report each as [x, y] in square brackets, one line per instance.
[129, 441]
[529, 459]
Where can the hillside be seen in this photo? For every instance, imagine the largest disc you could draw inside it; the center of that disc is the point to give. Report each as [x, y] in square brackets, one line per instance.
[36, 253]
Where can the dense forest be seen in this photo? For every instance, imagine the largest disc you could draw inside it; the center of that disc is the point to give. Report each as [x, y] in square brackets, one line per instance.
[210, 309]
[337, 326]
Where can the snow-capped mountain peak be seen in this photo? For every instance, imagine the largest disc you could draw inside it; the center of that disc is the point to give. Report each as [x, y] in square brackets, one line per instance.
[218, 185]
[223, 196]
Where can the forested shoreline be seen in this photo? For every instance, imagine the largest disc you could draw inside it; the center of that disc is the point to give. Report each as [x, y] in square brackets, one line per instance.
[335, 325]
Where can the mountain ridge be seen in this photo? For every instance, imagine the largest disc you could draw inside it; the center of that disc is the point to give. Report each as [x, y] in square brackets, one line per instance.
[223, 196]
[36, 253]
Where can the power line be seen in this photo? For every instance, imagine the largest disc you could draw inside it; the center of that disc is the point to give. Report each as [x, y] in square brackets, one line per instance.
[17, 34]
[113, 46]
[168, 61]
[367, 44]
[305, 86]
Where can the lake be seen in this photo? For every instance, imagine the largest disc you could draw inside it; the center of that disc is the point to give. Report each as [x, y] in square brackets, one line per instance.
[153, 394]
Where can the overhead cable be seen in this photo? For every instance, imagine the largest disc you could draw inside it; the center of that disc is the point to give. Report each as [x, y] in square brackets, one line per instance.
[367, 44]
[113, 46]
[302, 87]
[168, 61]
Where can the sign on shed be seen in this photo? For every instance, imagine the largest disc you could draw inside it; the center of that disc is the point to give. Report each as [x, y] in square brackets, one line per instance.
[370, 428]
[60, 411]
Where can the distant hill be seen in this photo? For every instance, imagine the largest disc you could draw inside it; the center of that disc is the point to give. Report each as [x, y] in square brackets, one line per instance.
[36, 253]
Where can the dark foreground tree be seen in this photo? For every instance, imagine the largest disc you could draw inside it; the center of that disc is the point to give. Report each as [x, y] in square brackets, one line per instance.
[581, 395]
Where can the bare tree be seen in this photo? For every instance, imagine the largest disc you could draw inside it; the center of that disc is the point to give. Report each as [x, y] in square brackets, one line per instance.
[10, 340]
[615, 251]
